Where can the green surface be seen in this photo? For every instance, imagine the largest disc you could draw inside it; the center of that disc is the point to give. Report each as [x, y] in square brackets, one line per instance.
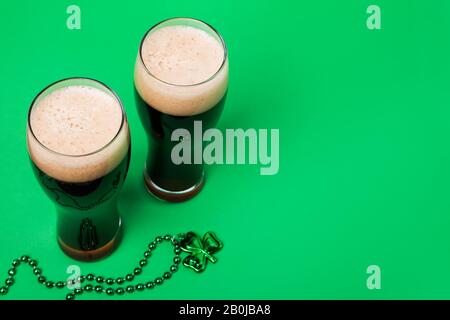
[364, 160]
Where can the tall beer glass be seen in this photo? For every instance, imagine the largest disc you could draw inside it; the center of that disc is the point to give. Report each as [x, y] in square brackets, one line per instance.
[181, 78]
[79, 145]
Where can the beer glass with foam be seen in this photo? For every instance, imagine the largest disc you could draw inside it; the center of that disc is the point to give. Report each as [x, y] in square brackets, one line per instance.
[181, 78]
[79, 145]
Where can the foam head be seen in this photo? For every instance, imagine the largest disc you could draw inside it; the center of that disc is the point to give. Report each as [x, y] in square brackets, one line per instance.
[77, 131]
[182, 67]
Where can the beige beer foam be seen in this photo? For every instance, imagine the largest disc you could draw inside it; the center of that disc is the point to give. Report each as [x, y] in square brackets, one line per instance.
[184, 58]
[75, 123]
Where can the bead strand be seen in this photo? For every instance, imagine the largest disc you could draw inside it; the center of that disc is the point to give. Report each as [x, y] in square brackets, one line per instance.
[100, 280]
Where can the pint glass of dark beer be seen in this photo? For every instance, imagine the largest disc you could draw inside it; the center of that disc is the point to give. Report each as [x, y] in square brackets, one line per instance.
[181, 79]
[79, 145]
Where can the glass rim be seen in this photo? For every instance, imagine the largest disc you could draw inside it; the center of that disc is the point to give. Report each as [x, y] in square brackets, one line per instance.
[111, 91]
[222, 42]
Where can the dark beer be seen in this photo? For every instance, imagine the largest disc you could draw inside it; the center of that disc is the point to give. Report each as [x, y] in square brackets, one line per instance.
[79, 145]
[88, 219]
[160, 170]
[181, 76]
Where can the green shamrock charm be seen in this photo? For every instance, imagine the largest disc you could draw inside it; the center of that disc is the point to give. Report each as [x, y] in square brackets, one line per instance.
[200, 250]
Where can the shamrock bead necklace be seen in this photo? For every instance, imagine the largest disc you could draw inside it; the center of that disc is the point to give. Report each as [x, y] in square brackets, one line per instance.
[101, 284]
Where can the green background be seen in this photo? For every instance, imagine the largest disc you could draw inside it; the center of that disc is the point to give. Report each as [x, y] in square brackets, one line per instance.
[364, 123]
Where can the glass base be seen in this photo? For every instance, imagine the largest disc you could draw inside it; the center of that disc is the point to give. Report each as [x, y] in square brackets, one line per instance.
[173, 196]
[91, 255]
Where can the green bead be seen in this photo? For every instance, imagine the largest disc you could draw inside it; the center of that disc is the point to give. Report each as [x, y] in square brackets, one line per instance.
[78, 291]
[159, 281]
[70, 296]
[98, 289]
[120, 291]
[177, 251]
[60, 285]
[88, 288]
[90, 277]
[137, 271]
[175, 242]
[150, 285]
[32, 263]
[130, 289]
[167, 237]
[3, 291]
[140, 287]
[110, 281]
[120, 280]
[129, 277]
[147, 254]
[100, 279]
[151, 246]
[173, 268]
[167, 275]
[158, 239]
[49, 284]
[181, 236]
[37, 271]
[177, 260]
[24, 258]
[81, 279]
[11, 272]
[16, 263]
[110, 291]
[9, 282]
[143, 262]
